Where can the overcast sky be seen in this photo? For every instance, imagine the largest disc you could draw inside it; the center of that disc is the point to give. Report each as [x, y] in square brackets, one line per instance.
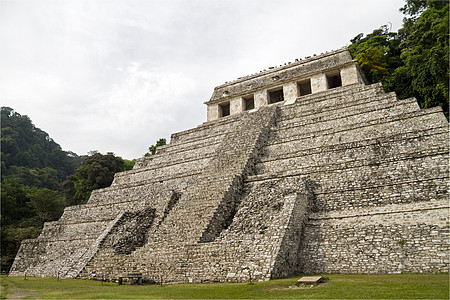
[115, 76]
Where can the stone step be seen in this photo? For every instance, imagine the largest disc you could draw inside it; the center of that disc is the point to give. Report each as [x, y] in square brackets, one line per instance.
[108, 210]
[399, 192]
[379, 195]
[392, 146]
[193, 211]
[187, 260]
[170, 159]
[173, 170]
[144, 191]
[98, 196]
[363, 174]
[336, 96]
[330, 122]
[359, 168]
[51, 257]
[203, 142]
[343, 91]
[191, 145]
[387, 101]
[187, 152]
[365, 182]
[220, 125]
[170, 147]
[166, 164]
[60, 231]
[396, 192]
[203, 137]
[206, 129]
[371, 129]
[298, 112]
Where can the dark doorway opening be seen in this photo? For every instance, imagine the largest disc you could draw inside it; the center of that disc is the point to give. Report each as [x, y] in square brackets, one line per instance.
[249, 103]
[304, 87]
[276, 96]
[224, 109]
[334, 81]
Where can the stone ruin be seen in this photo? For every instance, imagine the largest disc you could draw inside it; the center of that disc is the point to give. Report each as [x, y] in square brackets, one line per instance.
[299, 168]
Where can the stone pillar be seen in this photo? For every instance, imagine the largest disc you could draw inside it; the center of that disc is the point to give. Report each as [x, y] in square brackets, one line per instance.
[212, 112]
[290, 92]
[350, 75]
[236, 105]
[318, 83]
[261, 98]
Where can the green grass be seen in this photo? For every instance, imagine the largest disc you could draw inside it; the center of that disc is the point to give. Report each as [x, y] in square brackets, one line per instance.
[337, 286]
[4, 289]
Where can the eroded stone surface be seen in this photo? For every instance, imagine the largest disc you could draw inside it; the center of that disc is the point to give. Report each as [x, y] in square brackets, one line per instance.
[309, 279]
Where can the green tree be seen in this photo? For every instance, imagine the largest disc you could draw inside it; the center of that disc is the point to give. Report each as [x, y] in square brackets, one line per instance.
[129, 164]
[96, 171]
[425, 54]
[48, 205]
[152, 148]
[15, 201]
[32, 169]
[24, 210]
[378, 53]
[414, 8]
[413, 62]
[24, 145]
[43, 178]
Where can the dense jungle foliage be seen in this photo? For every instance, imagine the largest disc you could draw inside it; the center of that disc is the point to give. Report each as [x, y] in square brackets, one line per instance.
[39, 179]
[413, 62]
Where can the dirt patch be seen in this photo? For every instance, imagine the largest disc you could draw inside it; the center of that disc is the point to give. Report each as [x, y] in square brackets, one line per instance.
[17, 293]
[20, 294]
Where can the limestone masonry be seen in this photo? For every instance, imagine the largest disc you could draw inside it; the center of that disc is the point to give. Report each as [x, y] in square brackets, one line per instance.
[299, 168]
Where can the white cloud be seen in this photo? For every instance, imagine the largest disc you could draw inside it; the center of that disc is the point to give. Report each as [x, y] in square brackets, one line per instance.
[139, 107]
[114, 75]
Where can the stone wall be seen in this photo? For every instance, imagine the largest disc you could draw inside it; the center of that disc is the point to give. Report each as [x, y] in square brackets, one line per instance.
[392, 239]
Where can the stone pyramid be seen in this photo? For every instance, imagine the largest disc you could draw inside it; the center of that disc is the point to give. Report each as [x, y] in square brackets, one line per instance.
[299, 168]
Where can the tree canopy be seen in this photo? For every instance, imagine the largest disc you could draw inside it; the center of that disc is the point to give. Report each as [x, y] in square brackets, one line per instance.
[33, 169]
[24, 145]
[152, 148]
[413, 62]
[96, 171]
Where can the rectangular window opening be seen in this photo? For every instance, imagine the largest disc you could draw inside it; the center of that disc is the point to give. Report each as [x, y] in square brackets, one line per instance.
[304, 87]
[334, 81]
[224, 109]
[276, 96]
[249, 103]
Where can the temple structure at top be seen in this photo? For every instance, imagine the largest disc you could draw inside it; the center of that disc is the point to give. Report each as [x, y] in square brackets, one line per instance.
[285, 83]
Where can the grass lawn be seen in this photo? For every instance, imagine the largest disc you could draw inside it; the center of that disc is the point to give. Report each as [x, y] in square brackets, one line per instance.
[336, 286]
